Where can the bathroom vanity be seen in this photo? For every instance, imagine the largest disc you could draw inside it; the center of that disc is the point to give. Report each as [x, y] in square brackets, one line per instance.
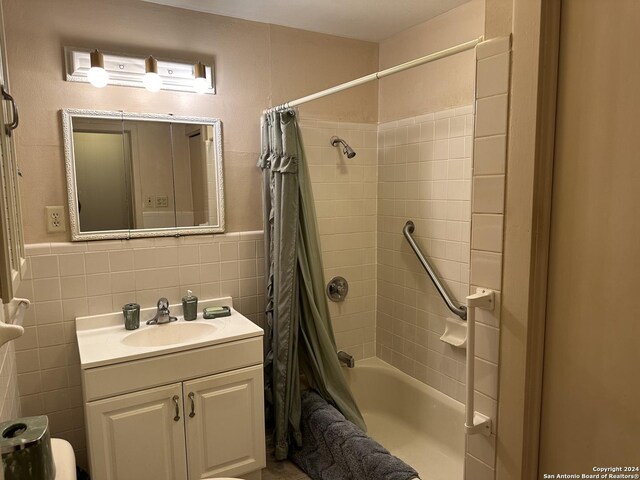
[177, 401]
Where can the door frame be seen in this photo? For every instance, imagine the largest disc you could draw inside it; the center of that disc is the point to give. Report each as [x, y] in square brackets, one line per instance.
[534, 74]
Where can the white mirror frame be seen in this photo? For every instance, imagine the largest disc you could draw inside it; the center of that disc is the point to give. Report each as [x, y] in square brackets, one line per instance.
[74, 218]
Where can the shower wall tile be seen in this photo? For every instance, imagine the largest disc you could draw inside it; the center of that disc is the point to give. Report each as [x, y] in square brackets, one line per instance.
[424, 175]
[491, 115]
[65, 281]
[345, 193]
[490, 140]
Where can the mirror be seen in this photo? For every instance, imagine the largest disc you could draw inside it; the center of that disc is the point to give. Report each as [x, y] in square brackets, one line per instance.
[142, 175]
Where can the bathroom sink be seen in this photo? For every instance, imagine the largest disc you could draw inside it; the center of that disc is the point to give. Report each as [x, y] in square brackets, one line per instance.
[103, 339]
[168, 334]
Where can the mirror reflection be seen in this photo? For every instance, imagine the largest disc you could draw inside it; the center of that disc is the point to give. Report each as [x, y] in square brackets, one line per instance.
[143, 175]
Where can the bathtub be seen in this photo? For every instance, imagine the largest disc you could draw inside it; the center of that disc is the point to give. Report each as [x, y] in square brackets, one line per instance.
[414, 421]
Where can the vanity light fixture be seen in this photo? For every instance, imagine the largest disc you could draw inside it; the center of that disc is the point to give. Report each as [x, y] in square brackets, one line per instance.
[97, 75]
[102, 68]
[200, 84]
[151, 80]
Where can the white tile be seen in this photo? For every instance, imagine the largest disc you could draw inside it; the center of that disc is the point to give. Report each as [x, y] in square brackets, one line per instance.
[73, 287]
[493, 76]
[44, 266]
[466, 110]
[487, 343]
[123, 282]
[68, 247]
[490, 155]
[494, 46]
[486, 269]
[457, 126]
[71, 264]
[487, 406]
[98, 284]
[228, 251]
[121, 260]
[444, 114]
[46, 289]
[487, 232]
[442, 128]
[491, 118]
[427, 131]
[488, 194]
[457, 147]
[96, 262]
[188, 254]
[476, 470]
[33, 249]
[486, 378]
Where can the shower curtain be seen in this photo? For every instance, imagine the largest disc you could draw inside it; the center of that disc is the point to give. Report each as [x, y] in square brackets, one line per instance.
[298, 339]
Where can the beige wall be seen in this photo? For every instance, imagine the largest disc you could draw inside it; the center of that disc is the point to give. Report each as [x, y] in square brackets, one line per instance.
[436, 86]
[590, 413]
[255, 65]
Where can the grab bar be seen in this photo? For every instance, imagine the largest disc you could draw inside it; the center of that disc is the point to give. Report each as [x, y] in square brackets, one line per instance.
[460, 311]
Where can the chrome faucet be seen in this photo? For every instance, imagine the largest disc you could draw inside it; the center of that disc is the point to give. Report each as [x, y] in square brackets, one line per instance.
[162, 315]
[347, 359]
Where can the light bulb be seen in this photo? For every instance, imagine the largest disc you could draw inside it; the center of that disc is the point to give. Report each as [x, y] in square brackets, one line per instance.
[152, 81]
[98, 76]
[200, 85]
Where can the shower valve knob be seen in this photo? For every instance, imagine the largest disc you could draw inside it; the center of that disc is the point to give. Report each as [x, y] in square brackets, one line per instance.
[337, 289]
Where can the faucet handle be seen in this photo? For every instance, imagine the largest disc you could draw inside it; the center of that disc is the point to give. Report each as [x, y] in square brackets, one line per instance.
[163, 304]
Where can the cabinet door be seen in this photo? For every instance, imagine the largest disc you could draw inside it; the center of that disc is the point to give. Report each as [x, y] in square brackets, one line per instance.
[137, 436]
[225, 434]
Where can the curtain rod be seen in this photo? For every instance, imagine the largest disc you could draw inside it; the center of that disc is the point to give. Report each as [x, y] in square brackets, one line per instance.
[378, 75]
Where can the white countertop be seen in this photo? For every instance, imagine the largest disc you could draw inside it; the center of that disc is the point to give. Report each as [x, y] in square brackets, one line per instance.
[100, 337]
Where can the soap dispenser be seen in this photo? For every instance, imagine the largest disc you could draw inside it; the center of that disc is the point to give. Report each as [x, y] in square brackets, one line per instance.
[190, 306]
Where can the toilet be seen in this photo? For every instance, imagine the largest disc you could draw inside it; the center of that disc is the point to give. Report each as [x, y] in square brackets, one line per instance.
[64, 459]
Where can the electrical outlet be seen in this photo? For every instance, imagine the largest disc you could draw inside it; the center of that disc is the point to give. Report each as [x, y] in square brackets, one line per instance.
[162, 201]
[55, 219]
[149, 201]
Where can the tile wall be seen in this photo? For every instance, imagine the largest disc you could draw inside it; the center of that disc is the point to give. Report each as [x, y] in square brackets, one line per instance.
[9, 400]
[67, 280]
[345, 197]
[489, 170]
[424, 175]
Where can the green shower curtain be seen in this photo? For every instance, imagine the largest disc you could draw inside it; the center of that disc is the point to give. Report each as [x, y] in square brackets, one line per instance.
[298, 338]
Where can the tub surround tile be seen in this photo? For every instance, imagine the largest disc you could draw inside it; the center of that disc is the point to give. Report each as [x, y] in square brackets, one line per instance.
[482, 448]
[488, 194]
[493, 76]
[423, 175]
[487, 232]
[477, 470]
[494, 46]
[491, 116]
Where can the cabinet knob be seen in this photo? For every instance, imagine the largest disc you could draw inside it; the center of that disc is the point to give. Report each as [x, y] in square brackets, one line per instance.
[176, 400]
[193, 405]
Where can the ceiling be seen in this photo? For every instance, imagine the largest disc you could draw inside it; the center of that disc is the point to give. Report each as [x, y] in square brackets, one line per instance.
[371, 20]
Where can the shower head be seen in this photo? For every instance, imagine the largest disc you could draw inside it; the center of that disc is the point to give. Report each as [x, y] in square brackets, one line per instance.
[347, 150]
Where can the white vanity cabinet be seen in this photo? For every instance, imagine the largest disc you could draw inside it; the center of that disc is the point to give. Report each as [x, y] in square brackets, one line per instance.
[188, 415]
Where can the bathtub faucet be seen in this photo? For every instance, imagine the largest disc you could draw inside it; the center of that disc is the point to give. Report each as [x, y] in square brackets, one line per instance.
[347, 359]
